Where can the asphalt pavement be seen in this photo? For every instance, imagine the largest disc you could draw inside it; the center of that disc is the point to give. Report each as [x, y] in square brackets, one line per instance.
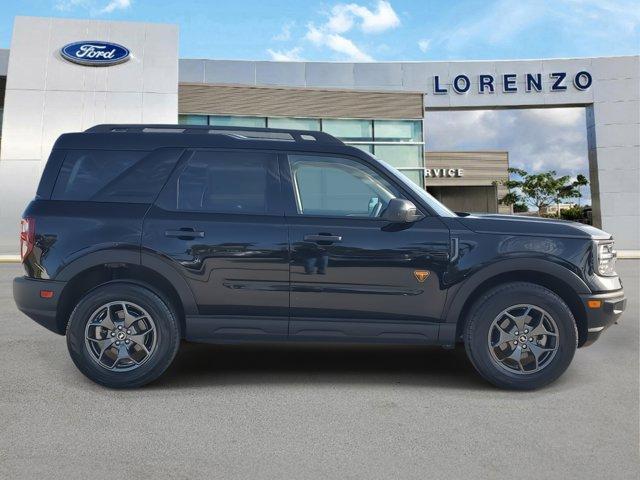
[300, 412]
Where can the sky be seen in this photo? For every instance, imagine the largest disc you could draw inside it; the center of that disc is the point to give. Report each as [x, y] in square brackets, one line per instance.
[369, 29]
[380, 30]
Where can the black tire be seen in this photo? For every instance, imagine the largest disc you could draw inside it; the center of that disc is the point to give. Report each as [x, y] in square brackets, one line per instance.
[489, 306]
[165, 347]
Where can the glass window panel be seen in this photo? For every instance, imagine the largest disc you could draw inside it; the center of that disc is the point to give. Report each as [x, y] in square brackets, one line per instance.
[192, 119]
[397, 130]
[222, 182]
[237, 121]
[294, 123]
[366, 148]
[335, 186]
[416, 176]
[400, 155]
[86, 172]
[142, 182]
[354, 130]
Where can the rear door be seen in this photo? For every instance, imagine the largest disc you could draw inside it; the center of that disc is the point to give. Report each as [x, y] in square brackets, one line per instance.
[353, 274]
[219, 219]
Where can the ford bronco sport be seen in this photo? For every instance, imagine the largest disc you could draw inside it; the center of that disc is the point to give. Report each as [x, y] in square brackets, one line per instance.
[141, 236]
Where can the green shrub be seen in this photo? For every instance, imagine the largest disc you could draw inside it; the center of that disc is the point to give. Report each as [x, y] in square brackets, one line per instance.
[574, 213]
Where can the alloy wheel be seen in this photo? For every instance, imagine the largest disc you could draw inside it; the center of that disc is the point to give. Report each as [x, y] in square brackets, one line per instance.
[523, 339]
[120, 336]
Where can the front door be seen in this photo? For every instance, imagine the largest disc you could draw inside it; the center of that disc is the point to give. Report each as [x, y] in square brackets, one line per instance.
[354, 275]
[220, 221]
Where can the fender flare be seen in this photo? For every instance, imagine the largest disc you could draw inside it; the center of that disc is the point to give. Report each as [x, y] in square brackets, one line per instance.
[148, 260]
[97, 258]
[466, 289]
[168, 270]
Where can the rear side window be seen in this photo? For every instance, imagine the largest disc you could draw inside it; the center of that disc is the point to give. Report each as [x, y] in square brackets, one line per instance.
[114, 175]
[224, 182]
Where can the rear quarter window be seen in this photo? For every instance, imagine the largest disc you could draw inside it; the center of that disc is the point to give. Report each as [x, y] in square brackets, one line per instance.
[114, 175]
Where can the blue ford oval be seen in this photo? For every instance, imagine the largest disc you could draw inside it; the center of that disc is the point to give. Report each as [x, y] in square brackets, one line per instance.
[95, 53]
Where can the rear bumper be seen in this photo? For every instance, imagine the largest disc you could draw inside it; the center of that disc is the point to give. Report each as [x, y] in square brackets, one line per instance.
[599, 319]
[26, 294]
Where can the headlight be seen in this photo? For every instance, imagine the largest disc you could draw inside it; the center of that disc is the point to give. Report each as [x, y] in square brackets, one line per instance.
[606, 260]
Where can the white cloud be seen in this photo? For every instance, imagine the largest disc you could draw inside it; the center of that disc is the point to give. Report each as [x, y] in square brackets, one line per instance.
[502, 23]
[341, 19]
[337, 43]
[64, 5]
[344, 16]
[609, 15]
[285, 32]
[499, 24]
[343, 45]
[424, 44]
[537, 139]
[116, 5]
[292, 55]
[94, 7]
[314, 34]
[562, 117]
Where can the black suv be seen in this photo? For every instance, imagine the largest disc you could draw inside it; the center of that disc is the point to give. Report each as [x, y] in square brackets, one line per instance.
[143, 235]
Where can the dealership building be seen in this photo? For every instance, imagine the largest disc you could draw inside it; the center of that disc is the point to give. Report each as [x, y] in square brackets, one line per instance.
[63, 75]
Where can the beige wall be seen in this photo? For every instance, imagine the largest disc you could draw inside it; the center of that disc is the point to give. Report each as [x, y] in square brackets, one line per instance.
[480, 169]
[297, 102]
[479, 199]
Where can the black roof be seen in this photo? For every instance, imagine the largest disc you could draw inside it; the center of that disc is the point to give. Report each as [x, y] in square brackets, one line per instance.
[243, 133]
[148, 137]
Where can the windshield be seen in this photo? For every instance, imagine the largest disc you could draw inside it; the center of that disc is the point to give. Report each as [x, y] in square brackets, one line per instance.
[437, 207]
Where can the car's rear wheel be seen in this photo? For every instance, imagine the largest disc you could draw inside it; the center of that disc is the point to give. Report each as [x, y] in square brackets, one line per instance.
[520, 336]
[122, 335]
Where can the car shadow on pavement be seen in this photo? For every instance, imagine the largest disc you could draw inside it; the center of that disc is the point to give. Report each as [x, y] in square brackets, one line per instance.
[200, 365]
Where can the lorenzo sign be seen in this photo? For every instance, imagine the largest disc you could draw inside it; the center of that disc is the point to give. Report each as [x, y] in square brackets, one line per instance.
[95, 53]
[512, 83]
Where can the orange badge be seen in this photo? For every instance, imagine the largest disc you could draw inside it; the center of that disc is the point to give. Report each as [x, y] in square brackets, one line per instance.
[421, 275]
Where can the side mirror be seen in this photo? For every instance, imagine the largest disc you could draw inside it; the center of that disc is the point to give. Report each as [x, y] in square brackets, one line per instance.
[400, 210]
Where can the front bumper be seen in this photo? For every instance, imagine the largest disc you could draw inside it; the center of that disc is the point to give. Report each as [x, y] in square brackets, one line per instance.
[611, 307]
[26, 294]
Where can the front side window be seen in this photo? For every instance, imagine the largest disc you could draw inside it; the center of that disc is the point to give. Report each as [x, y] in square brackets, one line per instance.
[339, 187]
[223, 182]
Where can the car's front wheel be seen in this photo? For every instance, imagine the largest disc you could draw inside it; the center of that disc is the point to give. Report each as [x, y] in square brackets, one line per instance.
[122, 335]
[520, 336]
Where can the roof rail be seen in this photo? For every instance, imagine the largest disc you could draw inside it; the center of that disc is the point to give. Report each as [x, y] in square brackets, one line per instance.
[240, 133]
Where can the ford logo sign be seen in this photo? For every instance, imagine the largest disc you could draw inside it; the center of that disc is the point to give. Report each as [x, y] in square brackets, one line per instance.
[95, 53]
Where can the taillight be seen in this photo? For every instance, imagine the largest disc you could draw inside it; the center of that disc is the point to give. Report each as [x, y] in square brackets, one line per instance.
[27, 236]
